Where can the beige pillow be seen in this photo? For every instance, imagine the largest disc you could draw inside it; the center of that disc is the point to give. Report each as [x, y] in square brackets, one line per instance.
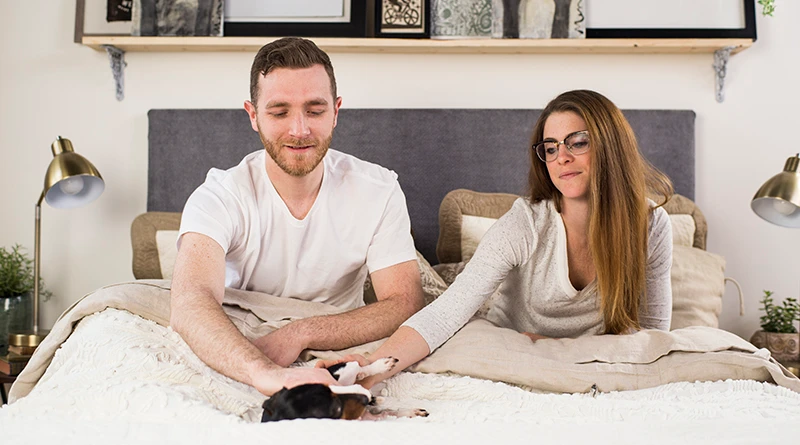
[464, 216]
[449, 271]
[153, 236]
[698, 282]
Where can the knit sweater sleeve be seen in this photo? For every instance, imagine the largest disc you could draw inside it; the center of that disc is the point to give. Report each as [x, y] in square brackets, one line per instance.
[656, 312]
[507, 244]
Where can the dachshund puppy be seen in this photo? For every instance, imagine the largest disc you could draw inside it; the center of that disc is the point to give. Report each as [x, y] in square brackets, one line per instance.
[349, 401]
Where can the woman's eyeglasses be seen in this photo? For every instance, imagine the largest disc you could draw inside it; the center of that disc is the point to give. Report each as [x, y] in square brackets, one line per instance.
[577, 143]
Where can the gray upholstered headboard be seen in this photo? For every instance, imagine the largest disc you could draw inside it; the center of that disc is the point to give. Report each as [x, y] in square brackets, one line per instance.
[433, 151]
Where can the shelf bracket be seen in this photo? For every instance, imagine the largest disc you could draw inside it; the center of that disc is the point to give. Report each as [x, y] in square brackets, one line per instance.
[721, 57]
[116, 57]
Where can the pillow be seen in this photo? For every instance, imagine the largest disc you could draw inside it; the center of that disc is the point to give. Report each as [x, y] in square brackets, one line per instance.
[464, 216]
[449, 271]
[681, 205]
[698, 282]
[153, 237]
[167, 244]
[683, 228]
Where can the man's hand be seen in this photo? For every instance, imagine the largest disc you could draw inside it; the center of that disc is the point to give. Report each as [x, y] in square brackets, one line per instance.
[533, 336]
[282, 346]
[271, 381]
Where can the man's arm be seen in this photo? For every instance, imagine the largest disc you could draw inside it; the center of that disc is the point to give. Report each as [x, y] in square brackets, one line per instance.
[399, 293]
[198, 288]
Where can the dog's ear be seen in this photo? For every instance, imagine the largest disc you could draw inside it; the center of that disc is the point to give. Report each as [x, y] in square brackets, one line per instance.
[352, 406]
[271, 405]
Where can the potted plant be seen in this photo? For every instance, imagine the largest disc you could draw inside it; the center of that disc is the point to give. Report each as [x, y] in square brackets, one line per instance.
[16, 287]
[779, 333]
[768, 7]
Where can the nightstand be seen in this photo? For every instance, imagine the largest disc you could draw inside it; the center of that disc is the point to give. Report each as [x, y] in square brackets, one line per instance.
[5, 379]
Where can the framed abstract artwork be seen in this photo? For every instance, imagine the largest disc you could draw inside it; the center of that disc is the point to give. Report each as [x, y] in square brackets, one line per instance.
[302, 18]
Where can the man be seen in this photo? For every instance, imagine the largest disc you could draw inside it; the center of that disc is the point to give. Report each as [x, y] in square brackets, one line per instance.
[293, 220]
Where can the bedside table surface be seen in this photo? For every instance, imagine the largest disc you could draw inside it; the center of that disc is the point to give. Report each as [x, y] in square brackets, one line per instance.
[4, 378]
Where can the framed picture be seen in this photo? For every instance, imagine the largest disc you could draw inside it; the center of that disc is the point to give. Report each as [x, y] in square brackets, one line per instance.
[302, 18]
[539, 19]
[402, 18]
[175, 18]
[674, 19]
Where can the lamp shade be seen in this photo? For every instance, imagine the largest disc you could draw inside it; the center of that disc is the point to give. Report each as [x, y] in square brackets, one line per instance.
[71, 180]
[778, 200]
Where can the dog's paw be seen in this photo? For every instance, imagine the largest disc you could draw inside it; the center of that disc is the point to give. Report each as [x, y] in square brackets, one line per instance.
[384, 364]
[379, 366]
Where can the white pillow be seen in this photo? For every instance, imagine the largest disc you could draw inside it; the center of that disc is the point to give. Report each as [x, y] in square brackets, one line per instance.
[166, 241]
[683, 229]
[472, 230]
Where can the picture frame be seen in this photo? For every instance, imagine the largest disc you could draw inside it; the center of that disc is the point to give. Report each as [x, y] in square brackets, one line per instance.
[402, 18]
[746, 31]
[353, 25]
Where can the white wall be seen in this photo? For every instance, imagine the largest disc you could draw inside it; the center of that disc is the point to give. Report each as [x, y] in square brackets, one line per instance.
[51, 86]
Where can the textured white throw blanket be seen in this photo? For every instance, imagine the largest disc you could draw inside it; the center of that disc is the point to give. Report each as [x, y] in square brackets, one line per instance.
[122, 379]
[112, 372]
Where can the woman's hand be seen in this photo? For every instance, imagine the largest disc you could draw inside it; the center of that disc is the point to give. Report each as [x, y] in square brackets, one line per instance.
[533, 336]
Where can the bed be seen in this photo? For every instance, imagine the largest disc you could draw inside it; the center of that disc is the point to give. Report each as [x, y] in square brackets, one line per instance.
[112, 371]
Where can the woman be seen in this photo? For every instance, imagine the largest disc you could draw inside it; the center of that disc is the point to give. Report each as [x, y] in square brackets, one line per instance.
[586, 254]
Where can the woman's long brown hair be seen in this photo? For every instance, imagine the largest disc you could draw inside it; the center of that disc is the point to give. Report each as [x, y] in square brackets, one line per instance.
[619, 211]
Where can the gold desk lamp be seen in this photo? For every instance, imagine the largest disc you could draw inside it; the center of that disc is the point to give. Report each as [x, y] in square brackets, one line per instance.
[778, 200]
[71, 181]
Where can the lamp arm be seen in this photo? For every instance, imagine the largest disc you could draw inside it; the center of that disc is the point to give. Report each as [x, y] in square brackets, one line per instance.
[36, 261]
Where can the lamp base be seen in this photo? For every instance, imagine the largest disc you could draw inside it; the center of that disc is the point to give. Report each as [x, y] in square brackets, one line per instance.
[30, 339]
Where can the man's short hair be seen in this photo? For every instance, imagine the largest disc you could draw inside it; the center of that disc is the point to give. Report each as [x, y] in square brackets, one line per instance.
[292, 53]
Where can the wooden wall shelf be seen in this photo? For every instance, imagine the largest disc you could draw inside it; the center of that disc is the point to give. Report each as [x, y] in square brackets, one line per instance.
[722, 49]
[426, 46]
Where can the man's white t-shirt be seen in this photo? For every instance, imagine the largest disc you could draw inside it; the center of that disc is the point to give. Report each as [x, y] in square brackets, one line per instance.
[358, 224]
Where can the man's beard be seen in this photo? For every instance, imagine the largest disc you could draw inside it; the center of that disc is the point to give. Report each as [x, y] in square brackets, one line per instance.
[296, 164]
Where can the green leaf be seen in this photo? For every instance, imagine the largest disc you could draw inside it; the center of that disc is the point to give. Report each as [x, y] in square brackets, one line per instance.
[16, 273]
[768, 7]
[779, 318]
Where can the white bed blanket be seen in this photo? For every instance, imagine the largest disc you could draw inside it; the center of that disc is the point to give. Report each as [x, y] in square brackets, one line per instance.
[120, 378]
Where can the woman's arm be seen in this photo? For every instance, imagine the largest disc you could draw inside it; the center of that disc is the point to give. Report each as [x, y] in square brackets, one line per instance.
[656, 313]
[507, 244]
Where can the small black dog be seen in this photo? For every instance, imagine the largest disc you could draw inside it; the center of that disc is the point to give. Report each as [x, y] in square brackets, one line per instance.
[349, 402]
